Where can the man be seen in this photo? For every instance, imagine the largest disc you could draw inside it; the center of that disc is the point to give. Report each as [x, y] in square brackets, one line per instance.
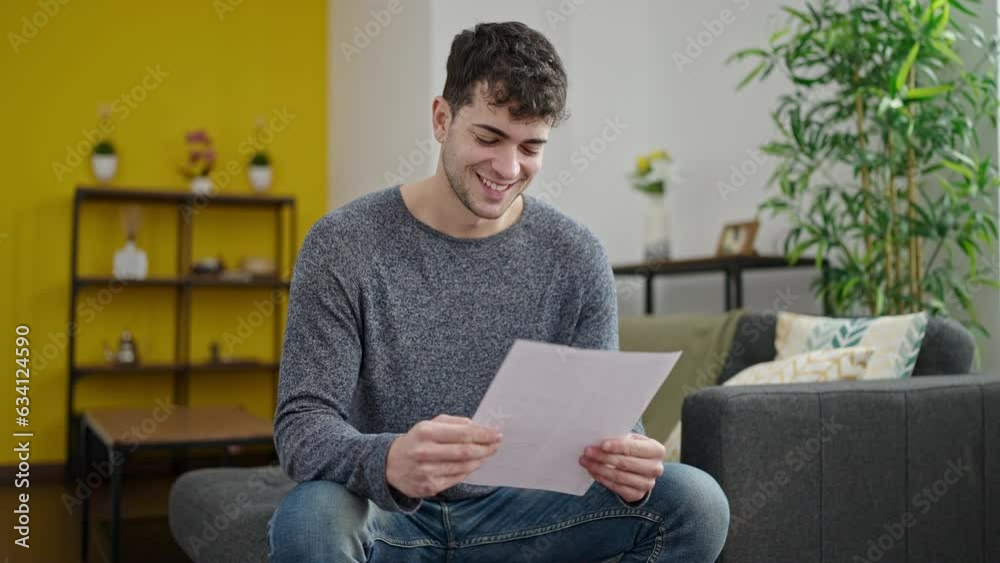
[402, 307]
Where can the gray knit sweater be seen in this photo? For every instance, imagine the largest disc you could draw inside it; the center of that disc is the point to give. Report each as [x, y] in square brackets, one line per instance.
[391, 322]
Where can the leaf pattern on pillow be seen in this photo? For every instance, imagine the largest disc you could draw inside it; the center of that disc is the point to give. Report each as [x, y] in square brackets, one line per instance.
[896, 339]
[905, 358]
[850, 333]
[821, 335]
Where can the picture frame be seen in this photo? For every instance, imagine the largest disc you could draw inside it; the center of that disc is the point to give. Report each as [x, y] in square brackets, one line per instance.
[737, 239]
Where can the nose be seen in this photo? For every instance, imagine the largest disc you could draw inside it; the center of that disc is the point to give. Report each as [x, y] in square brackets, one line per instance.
[506, 165]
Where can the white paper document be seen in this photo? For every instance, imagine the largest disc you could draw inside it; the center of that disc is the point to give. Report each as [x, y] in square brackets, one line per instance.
[552, 401]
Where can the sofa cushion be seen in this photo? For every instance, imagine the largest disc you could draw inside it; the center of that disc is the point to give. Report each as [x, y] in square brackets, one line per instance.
[947, 349]
[705, 341]
[896, 339]
[220, 515]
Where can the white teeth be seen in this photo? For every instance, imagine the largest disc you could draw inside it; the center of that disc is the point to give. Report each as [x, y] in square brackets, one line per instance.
[493, 186]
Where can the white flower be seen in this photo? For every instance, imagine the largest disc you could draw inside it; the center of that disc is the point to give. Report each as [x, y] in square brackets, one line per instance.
[660, 171]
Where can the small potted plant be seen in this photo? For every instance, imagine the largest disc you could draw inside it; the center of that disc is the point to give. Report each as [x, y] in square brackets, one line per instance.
[260, 172]
[104, 161]
[201, 158]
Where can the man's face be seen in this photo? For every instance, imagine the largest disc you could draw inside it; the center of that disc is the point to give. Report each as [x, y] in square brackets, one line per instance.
[489, 158]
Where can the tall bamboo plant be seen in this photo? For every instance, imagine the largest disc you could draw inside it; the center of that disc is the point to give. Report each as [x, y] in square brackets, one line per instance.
[880, 167]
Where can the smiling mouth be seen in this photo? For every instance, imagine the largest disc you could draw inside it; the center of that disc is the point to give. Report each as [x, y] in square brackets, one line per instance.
[493, 185]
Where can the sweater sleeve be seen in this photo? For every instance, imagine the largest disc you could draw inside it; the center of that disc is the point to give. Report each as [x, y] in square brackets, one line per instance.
[597, 326]
[320, 366]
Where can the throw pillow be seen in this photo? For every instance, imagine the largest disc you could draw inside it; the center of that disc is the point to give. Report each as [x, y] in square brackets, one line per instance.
[895, 339]
[704, 340]
[824, 365]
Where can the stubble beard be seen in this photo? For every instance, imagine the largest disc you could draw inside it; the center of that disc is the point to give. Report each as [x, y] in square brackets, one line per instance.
[456, 179]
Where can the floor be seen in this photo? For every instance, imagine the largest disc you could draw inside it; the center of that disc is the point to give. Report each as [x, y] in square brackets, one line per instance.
[55, 530]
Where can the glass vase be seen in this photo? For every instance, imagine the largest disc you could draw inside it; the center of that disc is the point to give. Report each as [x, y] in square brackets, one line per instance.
[656, 229]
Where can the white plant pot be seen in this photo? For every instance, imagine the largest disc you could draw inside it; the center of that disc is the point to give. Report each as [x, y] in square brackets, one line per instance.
[104, 166]
[260, 177]
[202, 185]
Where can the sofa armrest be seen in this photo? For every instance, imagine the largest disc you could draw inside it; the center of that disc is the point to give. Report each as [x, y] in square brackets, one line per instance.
[909, 469]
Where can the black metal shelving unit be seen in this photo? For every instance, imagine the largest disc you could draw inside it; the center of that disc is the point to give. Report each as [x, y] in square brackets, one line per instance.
[183, 284]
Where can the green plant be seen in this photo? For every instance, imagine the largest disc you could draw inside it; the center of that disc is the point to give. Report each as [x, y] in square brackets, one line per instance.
[260, 158]
[879, 159]
[104, 126]
[104, 147]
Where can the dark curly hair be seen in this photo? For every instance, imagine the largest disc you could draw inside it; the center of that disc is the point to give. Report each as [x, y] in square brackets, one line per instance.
[518, 65]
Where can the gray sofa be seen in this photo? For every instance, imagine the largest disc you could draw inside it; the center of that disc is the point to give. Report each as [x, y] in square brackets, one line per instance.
[888, 471]
[814, 472]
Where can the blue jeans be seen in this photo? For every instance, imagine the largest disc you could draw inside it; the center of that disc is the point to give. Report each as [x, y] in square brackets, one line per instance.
[685, 520]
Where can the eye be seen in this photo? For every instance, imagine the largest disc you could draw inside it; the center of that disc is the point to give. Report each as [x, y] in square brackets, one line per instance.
[529, 152]
[486, 142]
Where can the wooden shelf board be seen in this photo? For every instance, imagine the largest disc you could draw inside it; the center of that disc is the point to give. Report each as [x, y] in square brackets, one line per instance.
[711, 264]
[236, 366]
[190, 426]
[161, 368]
[84, 281]
[194, 281]
[178, 195]
[140, 368]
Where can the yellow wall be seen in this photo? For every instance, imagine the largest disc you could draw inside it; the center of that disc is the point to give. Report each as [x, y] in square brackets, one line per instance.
[220, 70]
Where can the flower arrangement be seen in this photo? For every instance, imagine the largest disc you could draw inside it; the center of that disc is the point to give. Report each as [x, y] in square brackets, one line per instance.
[652, 172]
[201, 155]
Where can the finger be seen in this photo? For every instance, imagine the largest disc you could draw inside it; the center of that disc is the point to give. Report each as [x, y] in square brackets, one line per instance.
[447, 418]
[445, 477]
[463, 434]
[451, 467]
[634, 446]
[645, 467]
[449, 433]
[630, 494]
[432, 452]
[625, 478]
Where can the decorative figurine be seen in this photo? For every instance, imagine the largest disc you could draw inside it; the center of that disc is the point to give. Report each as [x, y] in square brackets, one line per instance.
[127, 351]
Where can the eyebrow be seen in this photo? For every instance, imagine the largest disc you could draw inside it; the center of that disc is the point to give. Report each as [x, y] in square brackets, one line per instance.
[502, 134]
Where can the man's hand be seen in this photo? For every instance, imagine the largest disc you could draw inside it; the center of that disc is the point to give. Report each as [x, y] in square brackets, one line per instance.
[628, 466]
[436, 454]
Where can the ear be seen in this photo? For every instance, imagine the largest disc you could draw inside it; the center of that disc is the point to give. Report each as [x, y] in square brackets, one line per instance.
[440, 118]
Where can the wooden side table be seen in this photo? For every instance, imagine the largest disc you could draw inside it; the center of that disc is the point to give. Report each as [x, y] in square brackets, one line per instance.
[125, 430]
[732, 266]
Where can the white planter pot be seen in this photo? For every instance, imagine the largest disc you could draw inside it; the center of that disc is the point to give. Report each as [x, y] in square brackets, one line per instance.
[260, 177]
[202, 185]
[104, 166]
